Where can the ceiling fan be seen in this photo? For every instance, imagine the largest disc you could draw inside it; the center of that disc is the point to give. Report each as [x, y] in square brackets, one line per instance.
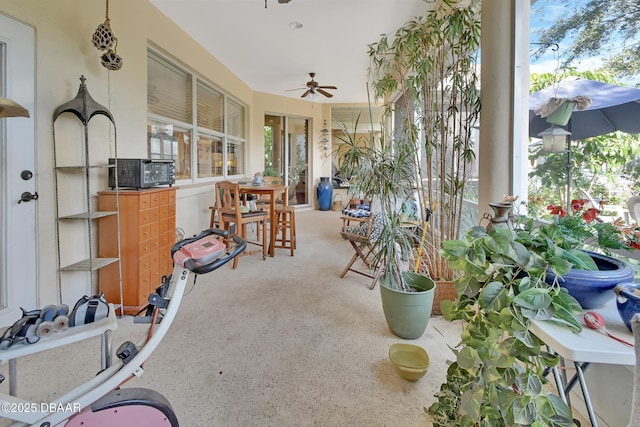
[312, 87]
[279, 1]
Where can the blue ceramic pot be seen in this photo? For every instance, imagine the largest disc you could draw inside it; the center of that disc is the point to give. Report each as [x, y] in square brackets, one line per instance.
[594, 288]
[628, 301]
[324, 192]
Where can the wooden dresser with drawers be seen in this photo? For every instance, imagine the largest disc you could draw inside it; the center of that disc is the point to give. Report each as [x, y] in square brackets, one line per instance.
[147, 232]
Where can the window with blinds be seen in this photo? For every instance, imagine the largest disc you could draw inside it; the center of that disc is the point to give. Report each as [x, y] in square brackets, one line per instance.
[235, 119]
[217, 125]
[210, 108]
[168, 90]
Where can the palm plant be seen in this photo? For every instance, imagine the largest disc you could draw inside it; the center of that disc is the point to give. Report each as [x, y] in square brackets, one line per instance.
[383, 171]
[430, 61]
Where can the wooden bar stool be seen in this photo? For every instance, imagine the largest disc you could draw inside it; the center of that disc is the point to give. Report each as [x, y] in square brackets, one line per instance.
[285, 220]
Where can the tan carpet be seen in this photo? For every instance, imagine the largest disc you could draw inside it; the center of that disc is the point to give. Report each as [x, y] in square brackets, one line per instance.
[281, 342]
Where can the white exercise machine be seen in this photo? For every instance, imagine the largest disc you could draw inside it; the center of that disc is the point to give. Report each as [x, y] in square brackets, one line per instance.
[100, 401]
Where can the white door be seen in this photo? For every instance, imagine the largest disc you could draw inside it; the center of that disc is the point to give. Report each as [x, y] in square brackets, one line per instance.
[18, 262]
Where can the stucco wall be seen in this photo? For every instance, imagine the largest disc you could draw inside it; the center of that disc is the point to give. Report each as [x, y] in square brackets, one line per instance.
[64, 52]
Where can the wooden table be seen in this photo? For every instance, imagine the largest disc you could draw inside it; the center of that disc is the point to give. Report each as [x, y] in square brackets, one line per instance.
[272, 191]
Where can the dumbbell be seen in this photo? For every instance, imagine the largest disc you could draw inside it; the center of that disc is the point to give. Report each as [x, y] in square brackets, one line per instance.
[53, 318]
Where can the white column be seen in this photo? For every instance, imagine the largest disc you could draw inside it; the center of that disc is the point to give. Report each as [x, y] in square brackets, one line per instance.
[504, 95]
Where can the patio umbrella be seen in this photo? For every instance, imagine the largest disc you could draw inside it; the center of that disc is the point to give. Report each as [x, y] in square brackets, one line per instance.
[613, 108]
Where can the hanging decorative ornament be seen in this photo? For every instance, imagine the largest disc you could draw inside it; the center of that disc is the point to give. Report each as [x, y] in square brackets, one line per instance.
[325, 140]
[111, 60]
[103, 36]
[103, 39]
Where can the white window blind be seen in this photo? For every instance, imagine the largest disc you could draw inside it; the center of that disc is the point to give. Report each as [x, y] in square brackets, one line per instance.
[210, 108]
[235, 119]
[168, 90]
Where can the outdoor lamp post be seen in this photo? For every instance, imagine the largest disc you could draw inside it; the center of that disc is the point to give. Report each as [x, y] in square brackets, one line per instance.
[554, 140]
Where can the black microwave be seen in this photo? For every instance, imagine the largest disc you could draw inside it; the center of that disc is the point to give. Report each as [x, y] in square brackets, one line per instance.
[142, 173]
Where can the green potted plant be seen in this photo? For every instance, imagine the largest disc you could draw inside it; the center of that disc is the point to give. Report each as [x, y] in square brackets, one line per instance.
[430, 62]
[497, 376]
[509, 276]
[382, 171]
[564, 240]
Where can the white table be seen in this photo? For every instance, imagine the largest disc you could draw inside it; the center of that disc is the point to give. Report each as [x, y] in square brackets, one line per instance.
[587, 347]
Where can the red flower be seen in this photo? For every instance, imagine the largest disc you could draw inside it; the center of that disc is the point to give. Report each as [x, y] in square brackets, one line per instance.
[578, 204]
[557, 210]
[590, 215]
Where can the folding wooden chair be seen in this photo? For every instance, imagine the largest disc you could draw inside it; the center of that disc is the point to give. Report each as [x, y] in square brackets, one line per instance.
[230, 211]
[361, 233]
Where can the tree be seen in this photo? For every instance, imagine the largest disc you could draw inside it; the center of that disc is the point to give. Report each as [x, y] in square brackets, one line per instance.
[596, 26]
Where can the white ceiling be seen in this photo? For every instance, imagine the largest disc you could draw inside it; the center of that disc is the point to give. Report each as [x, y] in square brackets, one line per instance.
[259, 47]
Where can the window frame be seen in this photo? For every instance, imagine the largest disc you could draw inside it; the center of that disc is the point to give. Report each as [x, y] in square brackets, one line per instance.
[195, 131]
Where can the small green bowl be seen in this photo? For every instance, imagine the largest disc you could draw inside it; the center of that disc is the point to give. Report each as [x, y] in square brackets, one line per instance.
[410, 361]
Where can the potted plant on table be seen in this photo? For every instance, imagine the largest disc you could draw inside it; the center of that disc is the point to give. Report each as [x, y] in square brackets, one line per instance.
[563, 241]
[508, 277]
[497, 377]
[430, 62]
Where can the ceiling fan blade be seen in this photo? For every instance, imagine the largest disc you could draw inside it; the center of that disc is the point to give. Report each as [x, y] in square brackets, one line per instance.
[307, 92]
[327, 87]
[327, 94]
[298, 88]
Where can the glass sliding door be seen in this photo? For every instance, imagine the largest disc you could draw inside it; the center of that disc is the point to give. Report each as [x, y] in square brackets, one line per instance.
[286, 141]
[297, 159]
[273, 146]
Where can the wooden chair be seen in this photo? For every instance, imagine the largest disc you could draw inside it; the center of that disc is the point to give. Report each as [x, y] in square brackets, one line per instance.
[230, 211]
[362, 237]
[263, 201]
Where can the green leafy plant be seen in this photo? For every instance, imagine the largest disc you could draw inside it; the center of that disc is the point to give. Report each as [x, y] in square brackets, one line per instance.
[354, 149]
[497, 377]
[269, 171]
[383, 172]
[560, 241]
[430, 62]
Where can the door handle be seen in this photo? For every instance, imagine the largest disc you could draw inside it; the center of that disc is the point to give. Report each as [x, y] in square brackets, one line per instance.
[27, 197]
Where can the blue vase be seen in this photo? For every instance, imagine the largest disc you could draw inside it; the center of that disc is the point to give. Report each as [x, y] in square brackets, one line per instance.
[324, 192]
[627, 301]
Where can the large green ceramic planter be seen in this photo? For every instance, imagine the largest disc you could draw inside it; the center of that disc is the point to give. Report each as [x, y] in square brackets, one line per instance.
[408, 313]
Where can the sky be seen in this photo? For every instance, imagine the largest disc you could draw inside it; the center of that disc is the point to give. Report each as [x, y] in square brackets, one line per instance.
[543, 14]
